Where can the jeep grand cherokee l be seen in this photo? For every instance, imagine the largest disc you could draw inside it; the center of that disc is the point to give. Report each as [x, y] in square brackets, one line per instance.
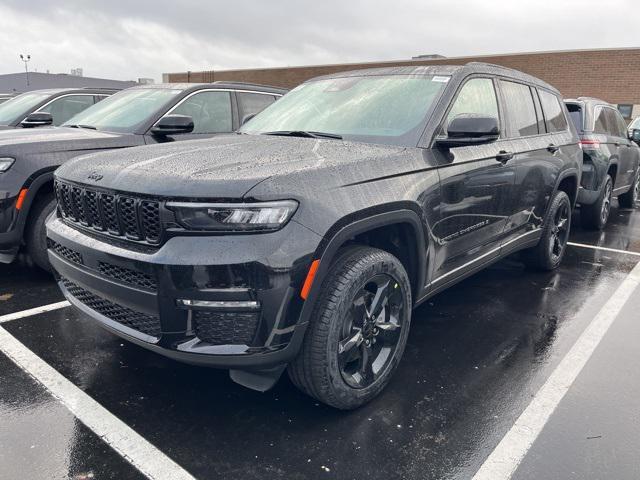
[137, 116]
[306, 239]
[40, 108]
[610, 160]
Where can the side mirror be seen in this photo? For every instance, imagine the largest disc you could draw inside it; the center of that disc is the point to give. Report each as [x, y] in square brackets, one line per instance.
[635, 135]
[37, 119]
[173, 125]
[247, 117]
[467, 129]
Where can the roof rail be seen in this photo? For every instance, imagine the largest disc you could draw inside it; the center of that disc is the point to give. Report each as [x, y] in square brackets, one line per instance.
[249, 84]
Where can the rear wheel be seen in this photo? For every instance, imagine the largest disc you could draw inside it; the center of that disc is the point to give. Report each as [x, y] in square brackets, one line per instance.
[549, 251]
[629, 199]
[36, 235]
[595, 216]
[358, 330]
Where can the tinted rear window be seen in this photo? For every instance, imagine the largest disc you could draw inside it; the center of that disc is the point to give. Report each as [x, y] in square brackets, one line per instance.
[521, 113]
[576, 115]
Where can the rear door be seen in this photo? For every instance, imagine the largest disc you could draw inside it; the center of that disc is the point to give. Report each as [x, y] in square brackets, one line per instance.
[542, 143]
[475, 189]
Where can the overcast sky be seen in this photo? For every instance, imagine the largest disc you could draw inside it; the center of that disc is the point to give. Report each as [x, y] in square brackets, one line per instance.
[144, 38]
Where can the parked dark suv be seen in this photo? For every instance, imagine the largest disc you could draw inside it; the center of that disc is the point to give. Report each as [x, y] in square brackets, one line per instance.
[610, 160]
[40, 108]
[136, 116]
[306, 240]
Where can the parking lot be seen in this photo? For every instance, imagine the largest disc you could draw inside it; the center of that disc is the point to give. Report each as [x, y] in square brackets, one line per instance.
[477, 356]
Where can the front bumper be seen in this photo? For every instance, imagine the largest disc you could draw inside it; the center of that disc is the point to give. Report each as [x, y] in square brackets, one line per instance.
[136, 294]
[10, 230]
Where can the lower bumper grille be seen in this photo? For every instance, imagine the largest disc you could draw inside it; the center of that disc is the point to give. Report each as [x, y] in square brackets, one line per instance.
[141, 322]
[226, 328]
[127, 275]
[64, 252]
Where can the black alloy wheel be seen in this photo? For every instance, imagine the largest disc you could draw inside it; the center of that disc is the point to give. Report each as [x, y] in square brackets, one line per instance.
[371, 331]
[559, 232]
[358, 329]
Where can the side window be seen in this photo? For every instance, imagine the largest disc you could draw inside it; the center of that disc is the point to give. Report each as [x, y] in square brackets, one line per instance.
[521, 113]
[99, 98]
[250, 103]
[601, 125]
[553, 112]
[64, 108]
[617, 125]
[211, 112]
[477, 97]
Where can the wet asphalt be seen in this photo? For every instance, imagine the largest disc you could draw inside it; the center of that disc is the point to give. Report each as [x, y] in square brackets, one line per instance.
[477, 353]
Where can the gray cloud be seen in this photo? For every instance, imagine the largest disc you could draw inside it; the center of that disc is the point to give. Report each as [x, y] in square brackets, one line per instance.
[132, 39]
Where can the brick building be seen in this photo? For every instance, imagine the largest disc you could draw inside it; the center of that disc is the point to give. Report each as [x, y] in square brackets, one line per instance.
[610, 74]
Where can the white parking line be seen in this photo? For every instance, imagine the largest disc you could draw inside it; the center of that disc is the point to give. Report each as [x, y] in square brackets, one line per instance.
[595, 247]
[33, 311]
[506, 457]
[133, 447]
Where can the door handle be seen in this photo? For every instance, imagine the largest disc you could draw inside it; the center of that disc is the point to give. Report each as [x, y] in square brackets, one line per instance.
[553, 148]
[504, 156]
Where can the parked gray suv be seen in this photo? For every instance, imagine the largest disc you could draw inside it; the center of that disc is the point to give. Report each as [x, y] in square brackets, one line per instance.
[610, 160]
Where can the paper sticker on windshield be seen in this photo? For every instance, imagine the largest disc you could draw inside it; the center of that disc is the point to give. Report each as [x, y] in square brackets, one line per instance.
[440, 79]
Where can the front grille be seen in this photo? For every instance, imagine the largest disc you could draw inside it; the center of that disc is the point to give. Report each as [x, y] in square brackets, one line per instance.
[113, 214]
[226, 328]
[141, 322]
[65, 252]
[127, 275]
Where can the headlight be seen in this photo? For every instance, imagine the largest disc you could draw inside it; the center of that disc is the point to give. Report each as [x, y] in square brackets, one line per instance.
[229, 217]
[5, 164]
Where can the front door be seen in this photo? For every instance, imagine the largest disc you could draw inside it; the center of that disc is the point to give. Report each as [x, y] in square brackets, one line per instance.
[475, 184]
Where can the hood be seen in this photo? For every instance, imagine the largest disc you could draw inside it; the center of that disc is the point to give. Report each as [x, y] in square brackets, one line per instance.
[6, 127]
[231, 165]
[25, 141]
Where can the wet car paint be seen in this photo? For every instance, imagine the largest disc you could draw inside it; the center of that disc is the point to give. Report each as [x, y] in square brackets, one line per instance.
[449, 211]
[476, 354]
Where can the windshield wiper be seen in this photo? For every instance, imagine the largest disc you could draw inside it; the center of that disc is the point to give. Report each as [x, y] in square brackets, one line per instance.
[304, 133]
[90, 127]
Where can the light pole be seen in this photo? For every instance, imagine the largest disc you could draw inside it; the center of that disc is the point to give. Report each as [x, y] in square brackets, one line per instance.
[25, 59]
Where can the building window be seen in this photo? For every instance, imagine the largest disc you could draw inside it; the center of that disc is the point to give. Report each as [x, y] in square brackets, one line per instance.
[625, 110]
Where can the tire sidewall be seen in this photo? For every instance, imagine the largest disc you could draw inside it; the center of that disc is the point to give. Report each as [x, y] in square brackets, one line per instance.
[346, 394]
[36, 233]
[558, 199]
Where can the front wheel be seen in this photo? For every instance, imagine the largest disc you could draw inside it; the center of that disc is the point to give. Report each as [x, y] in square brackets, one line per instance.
[549, 251]
[358, 330]
[36, 233]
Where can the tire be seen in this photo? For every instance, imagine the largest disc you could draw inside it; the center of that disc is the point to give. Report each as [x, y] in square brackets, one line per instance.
[629, 199]
[595, 216]
[331, 365]
[36, 235]
[549, 251]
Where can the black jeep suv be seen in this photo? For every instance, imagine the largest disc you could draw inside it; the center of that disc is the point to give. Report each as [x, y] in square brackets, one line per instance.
[40, 108]
[306, 239]
[610, 160]
[137, 116]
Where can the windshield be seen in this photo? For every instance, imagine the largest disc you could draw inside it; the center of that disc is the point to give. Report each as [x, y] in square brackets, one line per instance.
[125, 111]
[388, 109]
[17, 108]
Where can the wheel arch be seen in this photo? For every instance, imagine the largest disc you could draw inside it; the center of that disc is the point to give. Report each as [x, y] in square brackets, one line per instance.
[568, 182]
[39, 184]
[402, 219]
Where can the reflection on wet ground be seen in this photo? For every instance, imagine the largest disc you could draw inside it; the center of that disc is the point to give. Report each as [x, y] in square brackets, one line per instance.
[476, 354]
